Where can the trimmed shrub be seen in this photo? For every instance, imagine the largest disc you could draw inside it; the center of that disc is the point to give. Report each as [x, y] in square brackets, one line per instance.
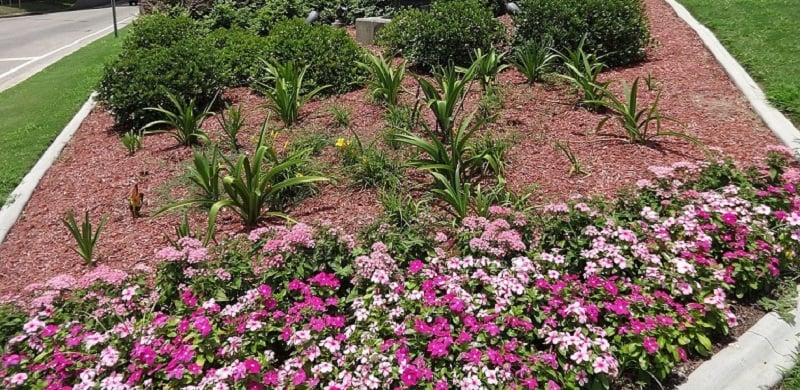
[274, 11]
[367, 8]
[617, 30]
[329, 53]
[160, 30]
[447, 33]
[228, 14]
[240, 52]
[140, 78]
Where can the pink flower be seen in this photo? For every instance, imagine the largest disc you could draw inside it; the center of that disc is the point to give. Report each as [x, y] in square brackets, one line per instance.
[18, 378]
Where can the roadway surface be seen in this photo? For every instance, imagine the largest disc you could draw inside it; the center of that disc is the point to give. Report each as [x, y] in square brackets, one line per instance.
[30, 43]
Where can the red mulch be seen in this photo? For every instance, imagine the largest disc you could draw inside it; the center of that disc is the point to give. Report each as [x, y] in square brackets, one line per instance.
[95, 173]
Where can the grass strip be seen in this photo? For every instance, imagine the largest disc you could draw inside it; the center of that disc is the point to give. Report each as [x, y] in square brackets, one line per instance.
[25, 6]
[762, 36]
[36, 110]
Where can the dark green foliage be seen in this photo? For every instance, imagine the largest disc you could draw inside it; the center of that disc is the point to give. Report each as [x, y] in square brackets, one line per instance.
[329, 53]
[274, 11]
[447, 33]
[228, 14]
[240, 52]
[11, 320]
[141, 78]
[617, 30]
[160, 30]
[367, 8]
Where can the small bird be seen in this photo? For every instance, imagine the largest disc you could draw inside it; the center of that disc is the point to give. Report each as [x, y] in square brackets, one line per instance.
[135, 201]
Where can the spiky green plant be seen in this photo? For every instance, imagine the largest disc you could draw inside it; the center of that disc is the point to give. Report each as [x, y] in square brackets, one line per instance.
[386, 82]
[641, 125]
[84, 235]
[183, 124]
[284, 91]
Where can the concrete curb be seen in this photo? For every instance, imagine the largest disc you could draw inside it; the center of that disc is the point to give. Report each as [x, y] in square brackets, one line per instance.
[773, 118]
[756, 359]
[22, 193]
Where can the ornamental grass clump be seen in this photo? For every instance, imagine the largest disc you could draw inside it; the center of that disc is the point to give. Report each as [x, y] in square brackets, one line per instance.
[252, 184]
[641, 125]
[184, 124]
[386, 81]
[84, 235]
[284, 91]
[591, 294]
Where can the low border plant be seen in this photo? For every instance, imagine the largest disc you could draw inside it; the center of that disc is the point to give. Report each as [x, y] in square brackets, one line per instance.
[84, 235]
[185, 123]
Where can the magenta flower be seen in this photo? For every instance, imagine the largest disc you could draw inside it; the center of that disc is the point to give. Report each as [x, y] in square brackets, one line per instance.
[252, 366]
[202, 325]
[410, 376]
[299, 378]
[650, 344]
[729, 219]
[415, 266]
[265, 290]
[439, 347]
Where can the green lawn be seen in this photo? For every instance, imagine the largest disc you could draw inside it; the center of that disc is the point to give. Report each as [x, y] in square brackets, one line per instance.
[763, 36]
[17, 7]
[36, 110]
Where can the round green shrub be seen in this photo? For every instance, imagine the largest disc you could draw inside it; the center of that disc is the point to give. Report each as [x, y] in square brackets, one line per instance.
[140, 78]
[615, 29]
[161, 30]
[240, 52]
[329, 53]
[447, 33]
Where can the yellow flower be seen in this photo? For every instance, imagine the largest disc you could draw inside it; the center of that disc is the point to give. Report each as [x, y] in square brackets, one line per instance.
[298, 174]
[341, 142]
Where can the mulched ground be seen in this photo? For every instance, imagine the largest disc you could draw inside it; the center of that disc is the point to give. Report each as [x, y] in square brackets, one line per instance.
[95, 172]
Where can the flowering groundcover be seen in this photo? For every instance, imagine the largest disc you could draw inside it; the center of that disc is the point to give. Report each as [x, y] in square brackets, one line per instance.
[584, 295]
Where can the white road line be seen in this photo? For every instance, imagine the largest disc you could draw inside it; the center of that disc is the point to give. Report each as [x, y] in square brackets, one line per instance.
[18, 59]
[77, 41]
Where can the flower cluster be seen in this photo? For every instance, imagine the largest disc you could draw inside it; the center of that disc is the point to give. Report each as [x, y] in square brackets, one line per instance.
[589, 296]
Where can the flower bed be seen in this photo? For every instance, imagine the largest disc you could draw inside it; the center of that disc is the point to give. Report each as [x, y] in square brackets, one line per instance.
[591, 294]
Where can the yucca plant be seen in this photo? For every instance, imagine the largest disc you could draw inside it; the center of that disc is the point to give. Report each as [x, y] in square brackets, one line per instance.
[487, 66]
[132, 140]
[386, 80]
[85, 236]
[445, 104]
[533, 59]
[575, 167]
[205, 173]
[285, 91]
[641, 125]
[251, 184]
[340, 115]
[453, 164]
[232, 120]
[583, 70]
[184, 124]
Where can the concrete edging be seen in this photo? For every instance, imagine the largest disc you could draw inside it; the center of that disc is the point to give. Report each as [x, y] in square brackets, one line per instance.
[757, 357]
[22, 193]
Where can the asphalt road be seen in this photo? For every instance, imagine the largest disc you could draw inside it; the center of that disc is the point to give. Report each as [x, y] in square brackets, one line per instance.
[30, 43]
